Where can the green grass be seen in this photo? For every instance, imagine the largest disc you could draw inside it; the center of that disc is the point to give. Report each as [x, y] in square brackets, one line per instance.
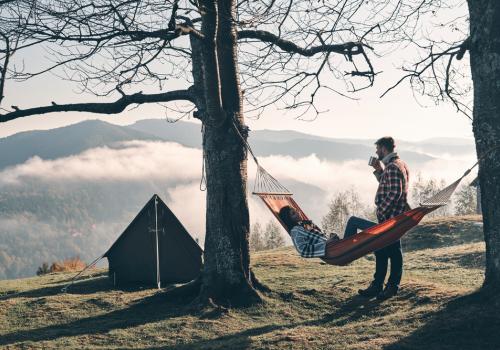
[312, 306]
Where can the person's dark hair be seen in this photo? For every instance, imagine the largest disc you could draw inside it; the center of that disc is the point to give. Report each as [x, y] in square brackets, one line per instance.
[387, 142]
[285, 215]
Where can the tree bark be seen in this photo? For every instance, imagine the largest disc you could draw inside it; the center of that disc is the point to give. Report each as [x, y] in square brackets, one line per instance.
[485, 67]
[226, 276]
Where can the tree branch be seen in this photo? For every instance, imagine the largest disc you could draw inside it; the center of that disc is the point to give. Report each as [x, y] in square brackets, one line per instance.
[171, 22]
[101, 108]
[349, 48]
[134, 35]
[427, 66]
[3, 69]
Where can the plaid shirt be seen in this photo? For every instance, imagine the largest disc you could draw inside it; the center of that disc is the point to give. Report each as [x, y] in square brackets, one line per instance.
[391, 198]
[309, 244]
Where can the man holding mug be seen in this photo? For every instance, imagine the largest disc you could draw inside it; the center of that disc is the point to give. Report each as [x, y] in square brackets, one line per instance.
[391, 200]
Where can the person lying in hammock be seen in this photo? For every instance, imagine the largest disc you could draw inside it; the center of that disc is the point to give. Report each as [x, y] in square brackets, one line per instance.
[307, 238]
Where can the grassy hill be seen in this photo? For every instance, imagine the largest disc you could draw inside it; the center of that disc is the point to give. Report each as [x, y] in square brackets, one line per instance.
[312, 305]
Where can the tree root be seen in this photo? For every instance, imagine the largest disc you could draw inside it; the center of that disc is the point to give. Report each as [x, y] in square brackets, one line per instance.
[190, 289]
[202, 300]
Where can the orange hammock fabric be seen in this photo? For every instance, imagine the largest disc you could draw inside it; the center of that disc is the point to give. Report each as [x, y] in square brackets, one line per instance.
[347, 250]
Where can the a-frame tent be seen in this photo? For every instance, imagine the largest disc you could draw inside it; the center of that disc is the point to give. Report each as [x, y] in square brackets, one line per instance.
[154, 249]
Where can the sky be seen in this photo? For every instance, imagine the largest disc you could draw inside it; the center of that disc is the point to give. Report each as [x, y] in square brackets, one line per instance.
[402, 113]
[399, 114]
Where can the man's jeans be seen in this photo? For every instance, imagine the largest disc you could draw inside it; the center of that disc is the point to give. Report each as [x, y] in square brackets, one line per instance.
[354, 224]
[382, 256]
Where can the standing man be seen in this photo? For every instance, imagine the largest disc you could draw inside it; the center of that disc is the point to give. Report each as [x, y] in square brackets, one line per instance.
[391, 200]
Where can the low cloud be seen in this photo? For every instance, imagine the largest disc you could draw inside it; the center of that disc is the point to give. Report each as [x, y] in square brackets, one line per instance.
[133, 170]
[448, 169]
[331, 177]
[178, 170]
[134, 160]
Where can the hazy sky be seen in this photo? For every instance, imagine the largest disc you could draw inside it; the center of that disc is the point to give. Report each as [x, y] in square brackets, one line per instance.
[398, 114]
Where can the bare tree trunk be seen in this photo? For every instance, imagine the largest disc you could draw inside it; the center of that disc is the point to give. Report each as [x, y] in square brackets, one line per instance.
[226, 276]
[485, 66]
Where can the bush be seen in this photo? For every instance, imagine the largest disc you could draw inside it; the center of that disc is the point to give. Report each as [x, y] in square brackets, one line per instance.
[71, 264]
[273, 238]
[256, 239]
[42, 270]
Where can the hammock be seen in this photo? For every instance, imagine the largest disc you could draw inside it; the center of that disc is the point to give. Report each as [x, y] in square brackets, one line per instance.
[275, 196]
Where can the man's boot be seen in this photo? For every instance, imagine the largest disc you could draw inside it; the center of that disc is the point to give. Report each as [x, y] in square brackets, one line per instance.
[389, 291]
[373, 290]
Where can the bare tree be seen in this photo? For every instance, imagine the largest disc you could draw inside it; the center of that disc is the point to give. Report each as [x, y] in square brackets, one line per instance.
[10, 34]
[269, 53]
[342, 206]
[256, 238]
[273, 238]
[483, 45]
[466, 201]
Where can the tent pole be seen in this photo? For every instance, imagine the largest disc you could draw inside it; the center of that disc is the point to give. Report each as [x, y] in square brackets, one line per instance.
[158, 281]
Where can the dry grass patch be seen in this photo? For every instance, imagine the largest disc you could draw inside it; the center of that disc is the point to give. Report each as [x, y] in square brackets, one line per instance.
[311, 305]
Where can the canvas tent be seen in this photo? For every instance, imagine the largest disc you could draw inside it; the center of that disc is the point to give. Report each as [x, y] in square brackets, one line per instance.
[154, 249]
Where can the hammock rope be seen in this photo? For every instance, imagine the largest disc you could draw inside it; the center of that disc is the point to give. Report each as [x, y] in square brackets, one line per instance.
[443, 197]
[265, 183]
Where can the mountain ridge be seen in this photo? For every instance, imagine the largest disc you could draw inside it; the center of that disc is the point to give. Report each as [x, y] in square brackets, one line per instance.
[76, 138]
[64, 141]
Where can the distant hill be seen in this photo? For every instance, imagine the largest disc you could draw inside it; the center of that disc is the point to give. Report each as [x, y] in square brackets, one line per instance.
[449, 141]
[76, 138]
[432, 146]
[273, 142]
[65, 141]
[328, 150]
[184, 133]
[298, 144]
